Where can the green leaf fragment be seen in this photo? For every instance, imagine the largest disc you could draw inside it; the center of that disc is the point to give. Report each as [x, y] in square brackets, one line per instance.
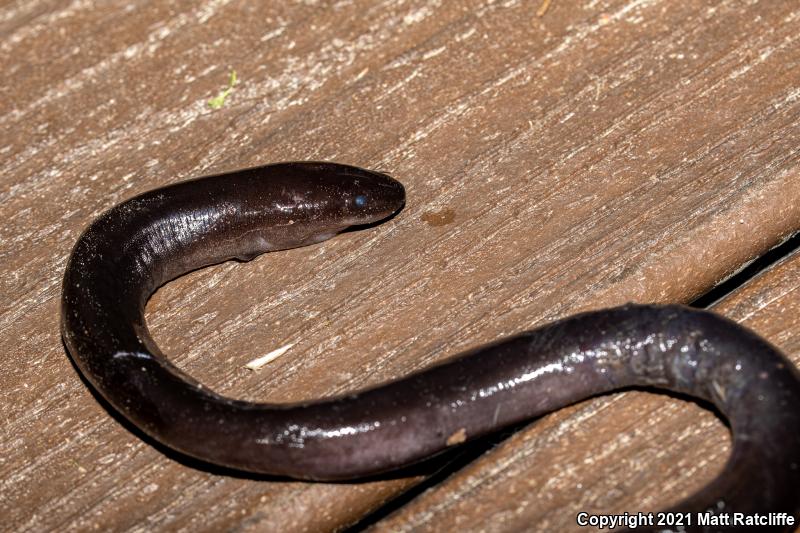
[218, 101]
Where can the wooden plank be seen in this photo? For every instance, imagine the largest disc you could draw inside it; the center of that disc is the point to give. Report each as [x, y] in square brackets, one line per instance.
[632, 451]
[608, 151]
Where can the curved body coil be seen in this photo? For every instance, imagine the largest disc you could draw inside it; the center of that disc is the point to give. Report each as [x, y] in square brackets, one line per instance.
[144, 242]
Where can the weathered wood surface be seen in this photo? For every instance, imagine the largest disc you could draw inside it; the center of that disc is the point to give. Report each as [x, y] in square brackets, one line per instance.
[632, 451]
[608, 151]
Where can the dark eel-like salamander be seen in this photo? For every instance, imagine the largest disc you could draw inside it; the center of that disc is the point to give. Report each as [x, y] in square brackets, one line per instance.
[140, 244]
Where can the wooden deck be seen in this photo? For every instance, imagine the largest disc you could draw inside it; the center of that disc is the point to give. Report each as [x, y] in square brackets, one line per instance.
[606, 151]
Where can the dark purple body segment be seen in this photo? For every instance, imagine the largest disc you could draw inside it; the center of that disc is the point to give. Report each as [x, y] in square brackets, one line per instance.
[144, 242]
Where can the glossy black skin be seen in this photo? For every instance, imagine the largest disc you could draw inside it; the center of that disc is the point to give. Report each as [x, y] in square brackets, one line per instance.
[144, 242]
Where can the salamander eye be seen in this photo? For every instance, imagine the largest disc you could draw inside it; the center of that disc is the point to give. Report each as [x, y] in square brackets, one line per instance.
[360, 200]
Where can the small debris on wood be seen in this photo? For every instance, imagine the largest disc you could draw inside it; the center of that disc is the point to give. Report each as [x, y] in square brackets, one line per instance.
[257, 363]
[218, 101]
[543, 8]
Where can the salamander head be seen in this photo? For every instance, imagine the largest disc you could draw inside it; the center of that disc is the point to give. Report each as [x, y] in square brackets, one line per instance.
[322, 199]
[363, 196]
[344, 196]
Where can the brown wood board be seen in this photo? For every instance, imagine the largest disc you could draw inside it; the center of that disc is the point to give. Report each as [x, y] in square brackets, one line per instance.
[626, 452]
[605, 152]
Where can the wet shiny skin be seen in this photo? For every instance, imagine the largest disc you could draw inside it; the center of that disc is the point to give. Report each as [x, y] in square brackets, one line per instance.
[144, 242]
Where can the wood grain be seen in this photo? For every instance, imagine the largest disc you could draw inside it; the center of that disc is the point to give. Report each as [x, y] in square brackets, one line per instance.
[632, 451]
[611, 150]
